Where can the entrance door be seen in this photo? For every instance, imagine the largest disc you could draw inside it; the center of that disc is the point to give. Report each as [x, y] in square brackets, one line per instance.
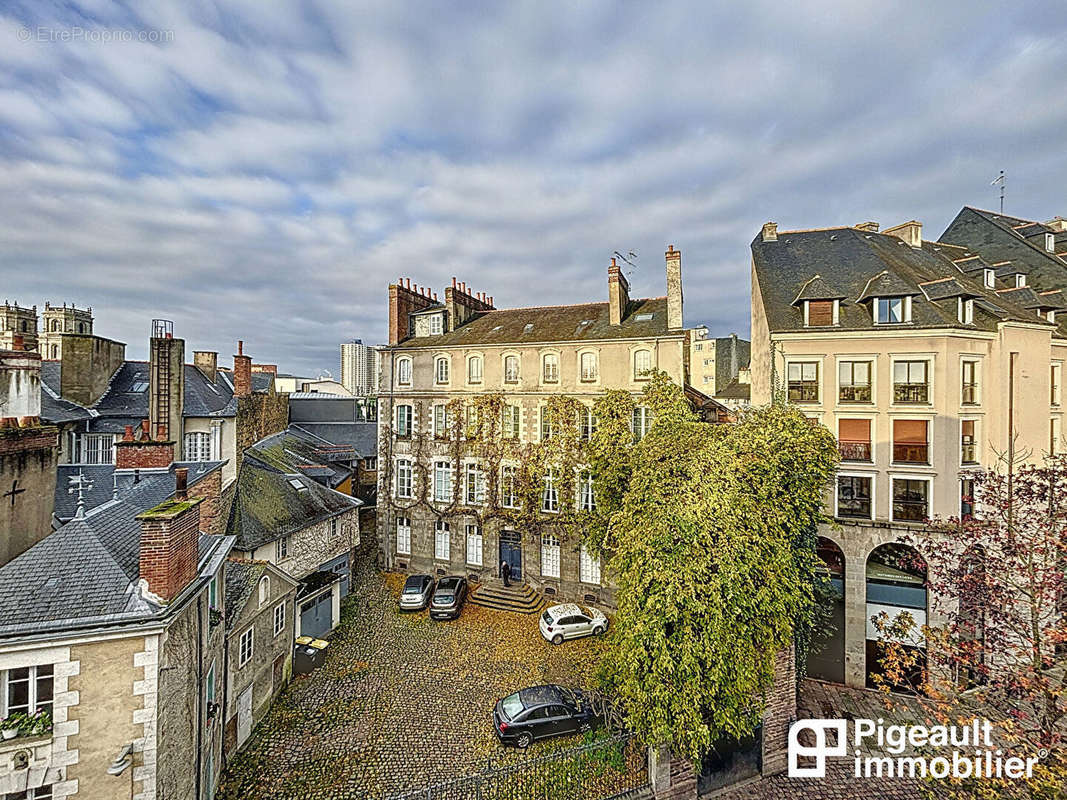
[511, 552]
[244, 715]
[316, 615]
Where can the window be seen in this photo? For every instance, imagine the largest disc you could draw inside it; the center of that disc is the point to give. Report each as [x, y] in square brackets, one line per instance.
[911, 499]
[642, 364]
[966, 499]
[403, 372]
[586, 424]
[911, 382]
[820, 313]
[198, 447]
[969, 382]
[474, 485]
[854, 381]
[550, 372]
[279, 618]
[442, 482]
[474, 545]
[968, 446]
[403, 536]
[965, 310]
[640, 423]
[803, 381]
[28, 689]
[508, 494]
[854, 496]
[94, 448]
[1050, 242]
[698, 347]
[474, 369]
[442, 544]
[588, 567]
[209, 685]
[990, 278]
[470, 422]
[511, 369]
[586, 497]
[588, 367]
[440, 421]
[854, 439]
[264, 589]
[892, 310]
[1054, 384]
[440, 370]
[550, 495]
[403, 420]
[370, 463]
[548, 425]
[282, 547]
[403, 479]
[1054, 448]
[244, 647]
[910, 441]
[549, 556]
[1020, 280]
[436, 325]
[511, 422]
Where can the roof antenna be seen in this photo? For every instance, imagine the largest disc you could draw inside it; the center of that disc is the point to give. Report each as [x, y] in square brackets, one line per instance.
[630, 258]
[1002, 181]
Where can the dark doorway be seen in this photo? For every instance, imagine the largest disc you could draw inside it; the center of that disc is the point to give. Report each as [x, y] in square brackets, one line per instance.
[896, 583]
[511, 552]
[826, 656]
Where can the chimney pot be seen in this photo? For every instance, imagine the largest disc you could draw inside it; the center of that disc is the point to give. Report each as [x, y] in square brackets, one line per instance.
[128, 436]
[145, 429]
[453, 281]
[181, 484]
[161, 432]
[240, 347]
[770, 232]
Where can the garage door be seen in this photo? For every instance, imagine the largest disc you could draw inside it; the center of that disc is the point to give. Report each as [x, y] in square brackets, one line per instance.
[316, 615]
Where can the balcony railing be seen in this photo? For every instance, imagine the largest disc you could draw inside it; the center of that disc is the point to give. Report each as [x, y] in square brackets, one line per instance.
[803, 392]
[854, 451]
[855, 394]
[911, 453]
[911, 393]
[970, 394]
[909, 510]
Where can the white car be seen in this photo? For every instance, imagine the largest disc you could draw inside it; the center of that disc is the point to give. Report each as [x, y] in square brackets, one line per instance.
[571, 621]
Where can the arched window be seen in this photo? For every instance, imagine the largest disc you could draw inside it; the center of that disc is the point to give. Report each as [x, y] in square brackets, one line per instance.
[264, 589]
[474, 369]
[511, 369]
[550, 370]
[588, 367]
[403, 372]
[642, 364]
[896, 584]
[440, 369]
[55, 325]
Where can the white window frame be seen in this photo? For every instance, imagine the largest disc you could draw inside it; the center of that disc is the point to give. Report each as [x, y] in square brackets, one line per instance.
[588, 372]
[442, 541]
[546, 429]
[440, 421]
[405, 479]
[587, 424]
[1050, 242]
[473, 484]
[246, 646]
[835, 315]
[588, 568]
[1020, 280]
[873, 476]
[902, 476]
[474, 545]
[905, 310]
[264, 590]
[930, 387]
[873, 420]
[586, 491]
[93, 449]
[279, 618]
[197, 446]
[409, 418]
[33, 700]
[1056, 384]
[518, 368]
[509, 495]
[550, 556]
[872, 374]
[437, 324]
[977, 380]
[403, 371]
[442, 482]
[550, 376]
[929, 420]
[403, 536]
[977, 442]
[817, 360]
[550, 494]
[475, 369]
[989, 278]
[638, 373]
[281, 547]
[965, 310]
[511, 423]
[645, 424]
[442, 370]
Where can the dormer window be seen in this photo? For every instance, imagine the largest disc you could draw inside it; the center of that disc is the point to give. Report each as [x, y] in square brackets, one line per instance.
[1051, 316]
[892, 310]
[990, 278]
[436, 324]
[1020, 280]
[1050, 242]
[965, 310]
[820, 313]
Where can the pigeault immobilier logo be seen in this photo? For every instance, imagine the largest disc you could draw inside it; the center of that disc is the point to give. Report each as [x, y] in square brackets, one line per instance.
[956, 751]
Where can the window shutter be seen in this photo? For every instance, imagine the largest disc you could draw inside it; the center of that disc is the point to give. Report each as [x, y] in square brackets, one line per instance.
[820, 312]
[909, 431]
[856, 430]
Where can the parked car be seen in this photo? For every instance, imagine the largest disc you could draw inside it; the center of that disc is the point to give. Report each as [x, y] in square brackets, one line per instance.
[541, 712]
[448, 598]
[571, 621]
[417, 591]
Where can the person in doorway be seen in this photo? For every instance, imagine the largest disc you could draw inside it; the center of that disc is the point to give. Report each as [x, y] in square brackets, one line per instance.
[505, 572]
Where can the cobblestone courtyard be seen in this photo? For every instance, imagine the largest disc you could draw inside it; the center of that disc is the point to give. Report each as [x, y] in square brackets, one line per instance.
[401, 701]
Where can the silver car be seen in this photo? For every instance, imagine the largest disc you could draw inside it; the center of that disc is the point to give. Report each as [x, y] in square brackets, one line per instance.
[417, 591]
[571, 621]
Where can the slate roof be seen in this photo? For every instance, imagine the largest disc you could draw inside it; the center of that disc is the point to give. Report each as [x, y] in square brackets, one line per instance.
[299, 452]
[270, 502]
[735, 390]
[105, 478]
[242, 577]
[572, 323]
[818, 289]
[865, 264]
[943, 288]
[85, 574]
[316, 407]
[360, 437]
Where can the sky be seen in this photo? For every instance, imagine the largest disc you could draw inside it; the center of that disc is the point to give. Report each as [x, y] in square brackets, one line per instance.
[263, 171]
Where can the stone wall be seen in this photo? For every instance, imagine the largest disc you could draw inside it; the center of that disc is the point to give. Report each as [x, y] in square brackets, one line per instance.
[260, 415]
[28, 458]
[87, 366]
[779, 712]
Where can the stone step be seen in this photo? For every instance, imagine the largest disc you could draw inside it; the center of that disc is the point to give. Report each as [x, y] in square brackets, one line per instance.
[519, 599]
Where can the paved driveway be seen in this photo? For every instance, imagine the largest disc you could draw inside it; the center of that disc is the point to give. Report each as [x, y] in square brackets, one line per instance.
[401, 701]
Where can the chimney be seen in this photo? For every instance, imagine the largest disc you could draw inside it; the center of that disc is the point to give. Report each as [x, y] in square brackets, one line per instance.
[1058, 224]
[141, 452]
[867, 227]
[674, 288]
[618, 294]
[242, 372]
[462, 303]
[170, 535]
[181, 484]
[910, 232]
[770, 231]
[166, 381]
[20, 388]
[402, 303]
[207, 362]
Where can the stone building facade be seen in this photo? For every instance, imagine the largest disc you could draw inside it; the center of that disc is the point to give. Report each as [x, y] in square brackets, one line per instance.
[465, 347]
[59, 320]
[16, 320]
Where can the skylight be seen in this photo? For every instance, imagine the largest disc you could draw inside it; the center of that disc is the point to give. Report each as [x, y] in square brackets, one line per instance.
[528, 328]
[298, 484]
[139, 386]
[644, 317]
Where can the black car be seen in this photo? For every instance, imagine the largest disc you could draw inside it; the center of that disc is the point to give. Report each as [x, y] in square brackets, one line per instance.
[540, 712]
[449, 597]
[416, 593]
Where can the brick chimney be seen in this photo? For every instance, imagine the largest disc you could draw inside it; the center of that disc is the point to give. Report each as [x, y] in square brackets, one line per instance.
[674, 288]
[403, 300]
[462, 304]
[618, 294]
[207, 362]
[911, 232]
[242, 372]
[140, 451]
[170, 535]
[770, 232]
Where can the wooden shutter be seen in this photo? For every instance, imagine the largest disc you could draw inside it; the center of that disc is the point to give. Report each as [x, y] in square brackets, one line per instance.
[820, 312]
[909, 431]
[855, 430]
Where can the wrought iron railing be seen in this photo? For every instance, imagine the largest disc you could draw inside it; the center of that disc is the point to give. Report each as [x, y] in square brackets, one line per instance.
[911, 393]
[854, 451]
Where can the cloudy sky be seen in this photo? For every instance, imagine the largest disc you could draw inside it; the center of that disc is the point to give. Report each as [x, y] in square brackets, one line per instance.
[264, 170]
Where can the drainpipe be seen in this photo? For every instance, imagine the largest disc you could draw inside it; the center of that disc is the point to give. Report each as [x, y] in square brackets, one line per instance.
[1011, 441]
[200, 715]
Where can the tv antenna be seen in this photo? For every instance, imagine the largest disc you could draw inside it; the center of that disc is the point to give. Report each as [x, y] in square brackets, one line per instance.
[1002, 181]
[630, 258]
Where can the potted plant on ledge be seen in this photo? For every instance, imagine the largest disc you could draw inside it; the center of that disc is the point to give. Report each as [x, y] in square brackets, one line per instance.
[11, 724]
[37, 724]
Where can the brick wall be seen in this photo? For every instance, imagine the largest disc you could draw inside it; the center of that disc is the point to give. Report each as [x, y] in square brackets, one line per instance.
[212, 520]
[143, 455]
[169, 538]
[403, 301]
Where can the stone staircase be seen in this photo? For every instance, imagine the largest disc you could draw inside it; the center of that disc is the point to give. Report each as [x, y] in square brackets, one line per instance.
[518, 598]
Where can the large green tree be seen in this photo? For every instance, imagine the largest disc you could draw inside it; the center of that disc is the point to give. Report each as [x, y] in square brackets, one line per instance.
[710, 543]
